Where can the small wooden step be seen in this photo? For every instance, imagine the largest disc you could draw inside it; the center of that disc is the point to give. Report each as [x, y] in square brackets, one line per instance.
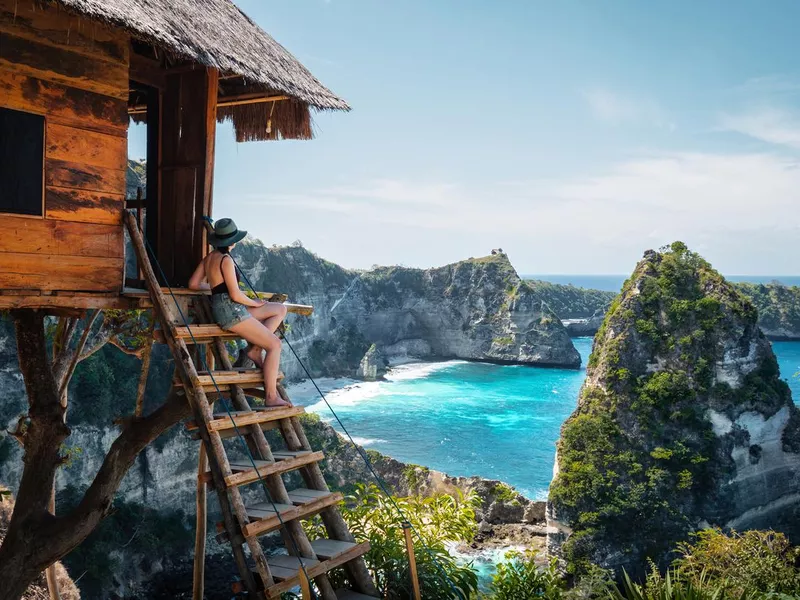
[244, 473]
[325, 549]
[351, 595]
[264, 518]
[241, 418]
[302, 496]
[224, 379]
[286, 569]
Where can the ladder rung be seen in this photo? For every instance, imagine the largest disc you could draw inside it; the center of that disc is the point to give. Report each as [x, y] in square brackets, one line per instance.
[288, 569]
[198, 333]
[244, 473]
[222, 421]
[265, 521]
[305, 495]
[325, 549]
[224, 379]
[351, 595]
[287, 454]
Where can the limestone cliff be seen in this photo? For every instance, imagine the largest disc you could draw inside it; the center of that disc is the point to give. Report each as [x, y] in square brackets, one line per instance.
[477, 309]
[778, 308]
[683, 422]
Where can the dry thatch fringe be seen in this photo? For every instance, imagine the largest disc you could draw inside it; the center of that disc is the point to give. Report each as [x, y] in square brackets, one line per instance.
[217, 34]
[291, 120]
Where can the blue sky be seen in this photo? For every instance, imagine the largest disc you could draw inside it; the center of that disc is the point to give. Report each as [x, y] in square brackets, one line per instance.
[574, 135]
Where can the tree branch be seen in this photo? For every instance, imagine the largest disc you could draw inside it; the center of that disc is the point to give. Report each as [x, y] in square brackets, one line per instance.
[64, 380]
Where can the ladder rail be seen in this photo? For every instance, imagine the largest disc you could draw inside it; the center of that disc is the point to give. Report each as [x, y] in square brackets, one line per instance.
[259, 447]
[218, 462]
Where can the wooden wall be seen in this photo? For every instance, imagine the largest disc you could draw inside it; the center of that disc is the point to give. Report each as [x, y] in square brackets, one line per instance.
[75, 73]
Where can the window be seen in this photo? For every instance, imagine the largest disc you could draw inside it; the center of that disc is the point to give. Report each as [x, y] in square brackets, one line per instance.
[21, 162]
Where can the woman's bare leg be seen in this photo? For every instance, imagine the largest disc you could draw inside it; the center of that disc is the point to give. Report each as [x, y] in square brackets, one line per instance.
[271, 315]
[254, 332]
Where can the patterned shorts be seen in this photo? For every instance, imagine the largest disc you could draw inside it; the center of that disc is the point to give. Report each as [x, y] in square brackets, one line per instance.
[228, 313]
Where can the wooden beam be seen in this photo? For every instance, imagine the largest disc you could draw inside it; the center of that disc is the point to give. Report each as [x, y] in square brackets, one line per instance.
[140, 109]
[35, 300]
[148, 71]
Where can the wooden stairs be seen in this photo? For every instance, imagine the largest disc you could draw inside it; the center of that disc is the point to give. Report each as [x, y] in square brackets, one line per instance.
[261, 576]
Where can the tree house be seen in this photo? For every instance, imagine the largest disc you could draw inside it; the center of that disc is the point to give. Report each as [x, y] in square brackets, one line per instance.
[72, 75]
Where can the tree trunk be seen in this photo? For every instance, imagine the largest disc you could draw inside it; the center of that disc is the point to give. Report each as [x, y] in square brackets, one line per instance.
[35, 538]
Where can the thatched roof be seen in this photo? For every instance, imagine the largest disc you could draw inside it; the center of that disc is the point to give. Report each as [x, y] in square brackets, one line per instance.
[217, 34]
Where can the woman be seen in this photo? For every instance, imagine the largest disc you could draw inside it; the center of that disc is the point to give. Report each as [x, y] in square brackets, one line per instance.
[253, 320]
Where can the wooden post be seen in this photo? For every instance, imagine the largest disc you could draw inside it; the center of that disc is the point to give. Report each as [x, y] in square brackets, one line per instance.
[305, 586]
[198, 583]
[412, 560]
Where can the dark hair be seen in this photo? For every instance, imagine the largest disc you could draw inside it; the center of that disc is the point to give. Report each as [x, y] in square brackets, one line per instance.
[224, 249]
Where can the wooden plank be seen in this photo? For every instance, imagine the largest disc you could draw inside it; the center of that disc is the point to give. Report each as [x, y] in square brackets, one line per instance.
[305, 494]
[267, 523]
[64, 66]
[247, 474]
[26, 299]
[357, 550]
[69, 204]
[242, 419]
[73, 144]
[50, 25]
[325, 548]
[63, 238]
[79, 107]
[54, 272]
[351, 595]
[250, 377]
[66, 174]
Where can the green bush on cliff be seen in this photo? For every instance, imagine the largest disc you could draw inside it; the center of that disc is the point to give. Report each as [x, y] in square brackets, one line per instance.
[638, 456]
[437, 521]
[520, 578]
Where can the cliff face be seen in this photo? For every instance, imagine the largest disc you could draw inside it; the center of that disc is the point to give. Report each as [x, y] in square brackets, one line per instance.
[682, 423]
[476, 309]
[778, 308]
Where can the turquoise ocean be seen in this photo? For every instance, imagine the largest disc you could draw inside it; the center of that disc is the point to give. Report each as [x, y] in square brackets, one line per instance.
[467, 418]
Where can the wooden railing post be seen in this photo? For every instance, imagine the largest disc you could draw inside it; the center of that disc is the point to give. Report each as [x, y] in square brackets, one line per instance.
[412, 560]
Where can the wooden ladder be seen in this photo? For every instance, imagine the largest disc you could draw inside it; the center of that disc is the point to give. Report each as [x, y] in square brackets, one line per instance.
[284, 509]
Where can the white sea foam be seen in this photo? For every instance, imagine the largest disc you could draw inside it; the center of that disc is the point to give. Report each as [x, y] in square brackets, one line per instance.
[367, 441]
[349, 392]
[419, 370]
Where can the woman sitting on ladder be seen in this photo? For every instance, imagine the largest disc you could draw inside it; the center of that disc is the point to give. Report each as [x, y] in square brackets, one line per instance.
[254, 320]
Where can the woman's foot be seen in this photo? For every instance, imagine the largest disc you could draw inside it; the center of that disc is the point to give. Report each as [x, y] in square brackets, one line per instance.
[275, 402]
[254, 354]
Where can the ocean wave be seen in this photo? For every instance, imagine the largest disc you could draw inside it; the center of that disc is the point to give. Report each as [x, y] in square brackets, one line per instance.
[419, 370]
[361, 441]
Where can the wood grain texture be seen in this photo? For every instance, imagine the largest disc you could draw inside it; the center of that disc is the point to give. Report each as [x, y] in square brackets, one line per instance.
[53, 26]
[66, 174]
[88, 147]
[62, 238]
[68, 204]
[54, 272]
[67, 104]
[42, 61]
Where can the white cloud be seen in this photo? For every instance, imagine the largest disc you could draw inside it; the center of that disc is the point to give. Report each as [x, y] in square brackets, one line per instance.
[616, 108]
[770, 125]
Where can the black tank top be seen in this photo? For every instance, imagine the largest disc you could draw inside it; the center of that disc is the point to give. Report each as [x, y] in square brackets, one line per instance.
[221, 288]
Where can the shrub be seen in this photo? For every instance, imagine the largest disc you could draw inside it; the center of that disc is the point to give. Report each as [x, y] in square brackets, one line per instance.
[519, 578]
[753, 561]
[437, 521]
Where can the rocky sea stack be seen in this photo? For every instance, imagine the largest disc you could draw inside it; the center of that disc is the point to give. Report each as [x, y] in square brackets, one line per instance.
[683, 423]
[475, 309]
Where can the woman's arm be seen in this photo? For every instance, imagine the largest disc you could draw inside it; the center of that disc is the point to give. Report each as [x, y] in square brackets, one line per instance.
[196, 280]
[229, 272]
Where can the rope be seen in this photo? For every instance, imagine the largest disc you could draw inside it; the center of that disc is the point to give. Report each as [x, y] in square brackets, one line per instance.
[362, 453]
[239, 435]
